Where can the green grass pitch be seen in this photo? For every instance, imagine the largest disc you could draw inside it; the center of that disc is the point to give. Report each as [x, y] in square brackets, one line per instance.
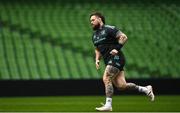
[163, 103]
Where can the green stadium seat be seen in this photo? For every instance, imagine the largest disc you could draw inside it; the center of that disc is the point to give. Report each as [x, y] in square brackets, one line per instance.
[52, 40]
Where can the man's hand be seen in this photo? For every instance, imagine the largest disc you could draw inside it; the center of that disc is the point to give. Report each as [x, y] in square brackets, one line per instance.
[114, 52]
[97, 64]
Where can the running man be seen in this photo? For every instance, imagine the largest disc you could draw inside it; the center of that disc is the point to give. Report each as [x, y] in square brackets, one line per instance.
[108, 41]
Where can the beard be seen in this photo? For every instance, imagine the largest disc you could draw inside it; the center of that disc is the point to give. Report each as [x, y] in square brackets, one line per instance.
[95, 27]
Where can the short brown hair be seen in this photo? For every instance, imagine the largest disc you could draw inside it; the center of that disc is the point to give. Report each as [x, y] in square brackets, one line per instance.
[99, 15]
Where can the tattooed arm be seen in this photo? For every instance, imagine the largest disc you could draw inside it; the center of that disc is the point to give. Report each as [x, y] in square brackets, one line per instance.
[122, 39]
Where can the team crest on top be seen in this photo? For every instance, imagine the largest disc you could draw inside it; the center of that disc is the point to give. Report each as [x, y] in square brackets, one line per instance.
[94, 36]
[103, 32]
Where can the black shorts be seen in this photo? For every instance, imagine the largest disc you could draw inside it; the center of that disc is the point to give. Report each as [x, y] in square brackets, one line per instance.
[117, 61]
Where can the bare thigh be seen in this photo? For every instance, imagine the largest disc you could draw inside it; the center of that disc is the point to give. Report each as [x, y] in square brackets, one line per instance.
[119, 80]
[110, 73]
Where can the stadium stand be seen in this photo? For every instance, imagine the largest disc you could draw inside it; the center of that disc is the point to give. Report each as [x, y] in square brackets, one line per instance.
[52, 40]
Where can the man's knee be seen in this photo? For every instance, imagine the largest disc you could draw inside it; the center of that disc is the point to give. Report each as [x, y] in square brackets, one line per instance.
[106, 79]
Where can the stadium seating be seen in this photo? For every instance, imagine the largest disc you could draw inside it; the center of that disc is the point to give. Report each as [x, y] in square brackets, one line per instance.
[52, 40]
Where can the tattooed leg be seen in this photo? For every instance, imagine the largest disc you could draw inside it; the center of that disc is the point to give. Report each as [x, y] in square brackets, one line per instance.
[109, 89]
[131, 86]
[110, 72]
